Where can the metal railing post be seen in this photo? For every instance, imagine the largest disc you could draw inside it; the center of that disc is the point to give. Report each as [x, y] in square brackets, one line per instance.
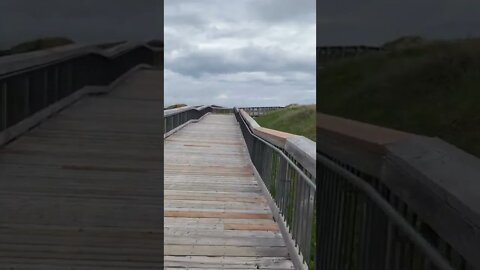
[26, 91]
[69, 78]
[55, 84]
[3, 104]
[45, 88]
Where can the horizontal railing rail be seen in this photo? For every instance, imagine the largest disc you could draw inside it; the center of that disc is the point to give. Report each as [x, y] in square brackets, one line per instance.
[300, 150]
[291, 185]
[393, 200]
[178, 117]
[24, 62]
[34, 81]
[327, 54]
[252, 111]
[222, 110]
[258, 111]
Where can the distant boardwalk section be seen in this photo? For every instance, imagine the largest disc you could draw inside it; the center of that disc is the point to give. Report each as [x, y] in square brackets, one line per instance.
[329, 54]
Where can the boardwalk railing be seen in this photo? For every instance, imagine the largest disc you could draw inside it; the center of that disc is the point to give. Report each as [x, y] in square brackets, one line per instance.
[177, 118]
[223, 110]
[257, 111]
[252, 111]
[394, 200]
[327, 54]
[32, 82]
[286, 164]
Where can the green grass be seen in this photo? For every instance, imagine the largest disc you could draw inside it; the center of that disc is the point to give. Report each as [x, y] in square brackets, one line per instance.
[273, 184]
[295, 119]
[431, 89]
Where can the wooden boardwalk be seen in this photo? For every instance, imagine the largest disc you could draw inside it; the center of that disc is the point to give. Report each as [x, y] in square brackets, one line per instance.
[216, 216]
[84, 189]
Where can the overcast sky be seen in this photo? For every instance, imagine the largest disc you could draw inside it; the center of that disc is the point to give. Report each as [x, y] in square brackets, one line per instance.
[240, 53]
[373, 22]
[84, 21]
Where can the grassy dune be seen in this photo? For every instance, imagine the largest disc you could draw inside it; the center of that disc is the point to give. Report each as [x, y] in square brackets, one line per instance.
[431, 88]
[299, 119]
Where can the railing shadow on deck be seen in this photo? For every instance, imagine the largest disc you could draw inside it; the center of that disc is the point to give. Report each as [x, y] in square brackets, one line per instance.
[31, 83]
[393, 200]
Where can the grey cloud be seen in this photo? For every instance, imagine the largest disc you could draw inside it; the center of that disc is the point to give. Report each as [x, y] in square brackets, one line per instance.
[190, 19]
[284, 10]
[211, 9]
[240, 53]
[180, 89]
[247, 59]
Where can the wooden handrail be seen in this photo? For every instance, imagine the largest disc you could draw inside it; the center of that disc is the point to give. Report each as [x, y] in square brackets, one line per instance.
[37, 59]
[300, 148]
[436, 180]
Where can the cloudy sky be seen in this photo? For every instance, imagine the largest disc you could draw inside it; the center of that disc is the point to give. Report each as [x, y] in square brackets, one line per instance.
[373, 22]
[84, 21]
[239, 53]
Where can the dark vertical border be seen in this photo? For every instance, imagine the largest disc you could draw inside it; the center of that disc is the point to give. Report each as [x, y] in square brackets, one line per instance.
[317, 196]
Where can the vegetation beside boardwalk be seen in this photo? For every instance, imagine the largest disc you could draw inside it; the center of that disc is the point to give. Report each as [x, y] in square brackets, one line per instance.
[424, 87]
[295, 119]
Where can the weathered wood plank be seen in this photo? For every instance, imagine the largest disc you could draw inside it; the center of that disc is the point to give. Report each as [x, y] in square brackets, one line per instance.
[84, 189]
[217, 198]
[251, 227]
[169, 231]
[204, 262]
[216, 216]
[175, 220]
[199, 250]
[207, 205]
[225, 241]
[211, 214]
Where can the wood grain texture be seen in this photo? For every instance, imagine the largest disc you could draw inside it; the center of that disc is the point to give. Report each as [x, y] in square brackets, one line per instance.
[216, 216]
[84, 189]
[251, 227]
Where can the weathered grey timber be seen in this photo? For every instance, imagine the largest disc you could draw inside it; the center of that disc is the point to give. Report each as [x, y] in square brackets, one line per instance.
[176, 119]
[434, 186]
[258, 111]
[284, 165]
[301, 149]
[216, 216]
[83, 190]
[20, 62]
[37, 84]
